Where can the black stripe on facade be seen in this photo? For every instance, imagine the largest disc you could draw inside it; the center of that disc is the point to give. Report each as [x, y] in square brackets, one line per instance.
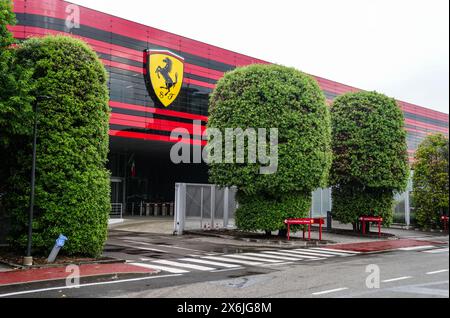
[149, 131]
[114, 38]
[132, 112]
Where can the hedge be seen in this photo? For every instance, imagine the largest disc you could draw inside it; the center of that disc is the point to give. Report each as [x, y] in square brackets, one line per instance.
[72, 183]
[370, 159]
[273, 96]
[430, 180]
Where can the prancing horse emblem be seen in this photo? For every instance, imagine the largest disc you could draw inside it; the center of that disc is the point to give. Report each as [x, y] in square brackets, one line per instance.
[165, 70]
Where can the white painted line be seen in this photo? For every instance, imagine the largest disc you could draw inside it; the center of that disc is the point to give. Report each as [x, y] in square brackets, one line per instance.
[201, 261]
[163, 268]
[183, 265]
[334, 251]
[228, 260]
[145, 259]
[271, 256]
[85, 285]
[309, 252]
[329, 291]
[439, 250]
[395, 279]
[252, 258]
[291, 255]
[278, 264]
[413, 248]
[437, 272]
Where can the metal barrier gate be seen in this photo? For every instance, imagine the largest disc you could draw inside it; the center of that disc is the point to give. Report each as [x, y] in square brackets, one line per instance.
[203, 206]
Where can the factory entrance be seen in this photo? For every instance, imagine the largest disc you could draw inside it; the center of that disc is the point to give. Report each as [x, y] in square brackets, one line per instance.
[143, 177]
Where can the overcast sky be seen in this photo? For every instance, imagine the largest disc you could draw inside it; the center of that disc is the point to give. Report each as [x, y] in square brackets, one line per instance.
[397, 47]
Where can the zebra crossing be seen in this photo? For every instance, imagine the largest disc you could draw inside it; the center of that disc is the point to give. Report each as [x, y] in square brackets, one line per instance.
[222, 262]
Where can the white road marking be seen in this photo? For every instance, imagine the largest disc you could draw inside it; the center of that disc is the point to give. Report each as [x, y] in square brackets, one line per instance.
[201, 261]
[236, 261]
[334, 251]
[253, 258]
[85, 285]
[437, 272]
[183, 265]
[312, 253]
[439, 250]
[395, 279]
[329, 291]
[413, 248]
[291, 254]
[271, 256]
[163, 268]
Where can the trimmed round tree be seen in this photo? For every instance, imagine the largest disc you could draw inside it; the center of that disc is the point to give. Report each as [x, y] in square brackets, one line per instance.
[430, 180]
[264, 97]
[370, 159]
[72, 182]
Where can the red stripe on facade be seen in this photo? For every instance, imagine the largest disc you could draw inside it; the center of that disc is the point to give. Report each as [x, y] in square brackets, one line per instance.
[159, 111]
[413, 122]
[137, 31]
[144, 136]
[152, 123]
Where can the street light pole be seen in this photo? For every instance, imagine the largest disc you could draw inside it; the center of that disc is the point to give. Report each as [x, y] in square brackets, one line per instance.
[28, 259]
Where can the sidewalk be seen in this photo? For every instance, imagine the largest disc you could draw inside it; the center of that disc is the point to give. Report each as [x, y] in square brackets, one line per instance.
[61, 273]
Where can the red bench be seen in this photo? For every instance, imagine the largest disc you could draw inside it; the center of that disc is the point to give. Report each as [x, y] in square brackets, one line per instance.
[305, 221]
[365, 219]
[444, 220]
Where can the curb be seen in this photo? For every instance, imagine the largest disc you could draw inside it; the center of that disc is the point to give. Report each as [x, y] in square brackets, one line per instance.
[20, 266]
[265, 241]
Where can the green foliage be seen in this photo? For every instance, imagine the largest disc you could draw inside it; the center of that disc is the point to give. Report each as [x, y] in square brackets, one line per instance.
[370, 160]
[430, 180]
[7, 17]
[72, 183]
[16, 115]
[273, 96]
[351, 201]
[268, 213]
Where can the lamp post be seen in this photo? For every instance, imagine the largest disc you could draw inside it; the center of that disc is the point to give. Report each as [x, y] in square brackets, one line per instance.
[28, 259]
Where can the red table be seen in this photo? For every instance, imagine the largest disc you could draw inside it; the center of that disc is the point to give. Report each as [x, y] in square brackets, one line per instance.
[305, 221]
[365, 219]
[444, 220]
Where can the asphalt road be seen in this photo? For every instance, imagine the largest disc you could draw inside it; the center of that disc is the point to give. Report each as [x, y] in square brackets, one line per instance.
[256, 272]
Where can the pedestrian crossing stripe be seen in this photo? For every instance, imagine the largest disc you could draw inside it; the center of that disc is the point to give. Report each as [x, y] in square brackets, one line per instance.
[220, 262]
[253, 258]
[184, 265]
[317, 254]
[201, 261]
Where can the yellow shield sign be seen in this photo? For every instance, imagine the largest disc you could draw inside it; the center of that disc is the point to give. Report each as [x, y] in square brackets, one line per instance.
[165, 71]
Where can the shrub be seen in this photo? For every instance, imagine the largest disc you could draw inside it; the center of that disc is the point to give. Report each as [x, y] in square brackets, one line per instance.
[72, 183]
[273, 96]
[370, 159]
[430, 180]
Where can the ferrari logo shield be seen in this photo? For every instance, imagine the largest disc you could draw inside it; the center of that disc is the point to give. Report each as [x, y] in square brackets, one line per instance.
[165, 70]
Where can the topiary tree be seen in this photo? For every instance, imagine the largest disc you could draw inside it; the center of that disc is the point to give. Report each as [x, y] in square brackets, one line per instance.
[272, 96]
[72, 183]
[370, 159]
[430, 180]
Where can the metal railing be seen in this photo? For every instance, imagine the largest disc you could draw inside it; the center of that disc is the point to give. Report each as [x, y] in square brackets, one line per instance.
[116, 210]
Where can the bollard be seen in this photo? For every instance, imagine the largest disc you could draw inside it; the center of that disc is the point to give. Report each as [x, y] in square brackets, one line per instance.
[164, 209]
[329, 220]
[58, 244]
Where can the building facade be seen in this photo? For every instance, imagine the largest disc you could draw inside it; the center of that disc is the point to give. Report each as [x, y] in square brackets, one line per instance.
[140, 123]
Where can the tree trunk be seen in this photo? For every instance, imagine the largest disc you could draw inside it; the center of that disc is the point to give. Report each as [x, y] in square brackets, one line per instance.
[282, 232]
[268, 233]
